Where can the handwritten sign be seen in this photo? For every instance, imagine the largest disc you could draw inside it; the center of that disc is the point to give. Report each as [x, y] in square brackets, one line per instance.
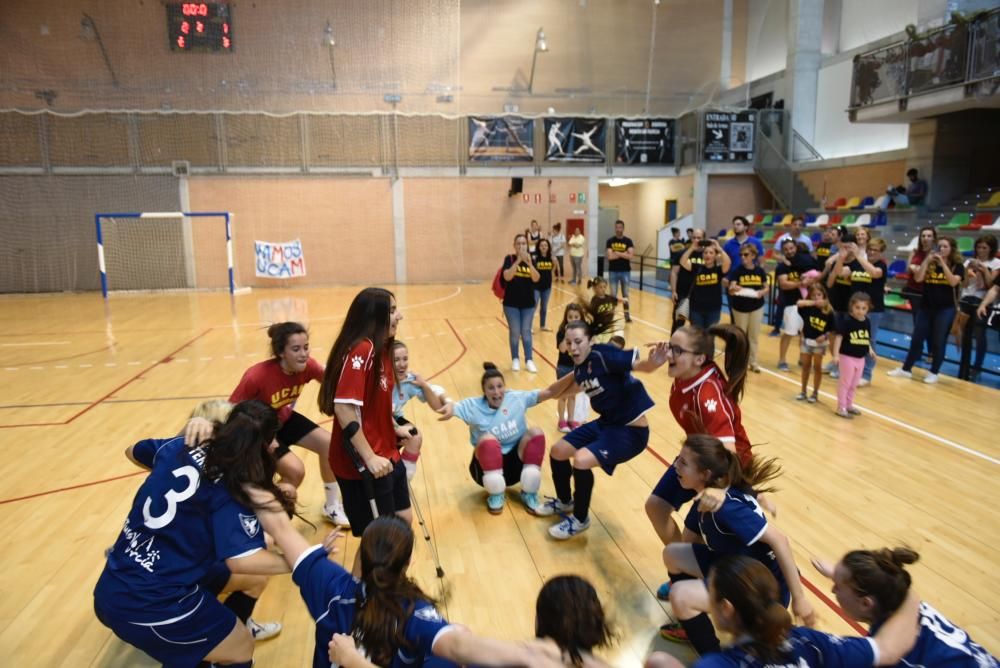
[280, 260]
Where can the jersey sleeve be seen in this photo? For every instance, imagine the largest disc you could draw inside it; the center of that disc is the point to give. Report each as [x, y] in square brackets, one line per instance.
[145, 451]
[357, 365]
[424, 627]
[691, 519]
[236, 529]
[323, 583]
[619, 361]
[746, 521]
[246, 389]
[465, 410]
[840, 651]
[314, 370]
[528, 399]
[715, 413]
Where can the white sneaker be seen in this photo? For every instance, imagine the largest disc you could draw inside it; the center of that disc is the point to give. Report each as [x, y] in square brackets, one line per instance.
[263, 630]
[568, 528]
[553, 506]
[931, 378]
[900, 373]
[336, 516]
[515, 365]
[530, 366]
[864, 382]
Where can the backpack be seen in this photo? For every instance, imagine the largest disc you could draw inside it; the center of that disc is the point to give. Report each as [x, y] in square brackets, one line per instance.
[499, 285]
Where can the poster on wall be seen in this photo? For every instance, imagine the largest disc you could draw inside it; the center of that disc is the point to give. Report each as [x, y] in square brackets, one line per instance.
[575, 139]
[501, 139]
[279, 259]
[645, 141]
[729, 136]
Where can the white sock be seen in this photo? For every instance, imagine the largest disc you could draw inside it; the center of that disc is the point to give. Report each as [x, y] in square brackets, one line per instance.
[411, 469]
[531, 478]
[332, 490]
[494, 483]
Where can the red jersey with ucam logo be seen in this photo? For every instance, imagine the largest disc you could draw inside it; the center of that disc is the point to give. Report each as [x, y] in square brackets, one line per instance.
[700, 406]
[268, 383]
[369, 389]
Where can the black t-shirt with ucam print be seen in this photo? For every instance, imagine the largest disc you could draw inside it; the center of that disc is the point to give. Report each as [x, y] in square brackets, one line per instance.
[938, 294]
[619, 246]
[544, 267]
[519, 291]
[857, 337]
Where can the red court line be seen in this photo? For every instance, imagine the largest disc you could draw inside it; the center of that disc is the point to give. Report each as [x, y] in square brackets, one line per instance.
[167, 358]
[66, 489]
[460, 355]
[68, 357]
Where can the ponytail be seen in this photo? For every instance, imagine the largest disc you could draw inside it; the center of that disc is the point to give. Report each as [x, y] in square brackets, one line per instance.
[725, 468]
[737, 359]
[880, 574]
[754, 594]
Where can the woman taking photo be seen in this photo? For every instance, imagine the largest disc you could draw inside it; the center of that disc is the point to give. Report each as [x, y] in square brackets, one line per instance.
[980, 272]
[705, 296]
[940, 273]
[545, 265]
[520, 278]
[747, 287]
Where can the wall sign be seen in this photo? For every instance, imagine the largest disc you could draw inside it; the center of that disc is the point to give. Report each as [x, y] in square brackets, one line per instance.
[729, 136]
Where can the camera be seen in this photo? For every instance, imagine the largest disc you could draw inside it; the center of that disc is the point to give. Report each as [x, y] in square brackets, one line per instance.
[704, 243]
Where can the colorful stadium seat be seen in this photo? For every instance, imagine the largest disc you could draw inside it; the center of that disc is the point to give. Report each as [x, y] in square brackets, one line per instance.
[821, 220]
[896, 268]
[992, 203]
[980, 220]
[956, 222]
[966, 246]
[837, 203]
[866, 202]
[852, 203]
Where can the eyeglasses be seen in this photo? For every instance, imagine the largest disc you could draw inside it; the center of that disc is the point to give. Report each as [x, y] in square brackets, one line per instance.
[746, 254]
[676, 351]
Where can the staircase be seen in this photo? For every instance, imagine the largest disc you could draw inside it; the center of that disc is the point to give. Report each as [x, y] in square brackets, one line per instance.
[778, 176]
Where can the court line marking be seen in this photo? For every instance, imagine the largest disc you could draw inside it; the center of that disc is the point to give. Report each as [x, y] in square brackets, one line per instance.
[72, 487]
[35, 343]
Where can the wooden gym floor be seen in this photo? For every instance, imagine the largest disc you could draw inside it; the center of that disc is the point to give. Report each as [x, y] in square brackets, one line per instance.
[81, 382]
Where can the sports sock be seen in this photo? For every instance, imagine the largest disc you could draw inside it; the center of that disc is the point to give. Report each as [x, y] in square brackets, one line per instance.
[562, 471]
[583, 483]
[531, 478]
[241, 604]
[410, 462]
[493, 482]
[332, 490]
[701, 633]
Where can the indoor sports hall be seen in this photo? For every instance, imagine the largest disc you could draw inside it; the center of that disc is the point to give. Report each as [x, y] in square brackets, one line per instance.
[177, 177]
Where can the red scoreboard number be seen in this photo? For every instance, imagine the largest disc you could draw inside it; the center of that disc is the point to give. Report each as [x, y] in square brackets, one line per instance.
[200, 26]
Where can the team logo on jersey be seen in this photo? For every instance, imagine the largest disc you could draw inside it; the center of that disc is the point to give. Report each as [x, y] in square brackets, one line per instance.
[428, 614]
[504, 411]
[383, 383]
[711, 405]
[357, 362]
[250, 524]
[603, 453]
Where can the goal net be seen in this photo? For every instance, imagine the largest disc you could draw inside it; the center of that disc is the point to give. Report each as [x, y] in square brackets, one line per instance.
[165, 250]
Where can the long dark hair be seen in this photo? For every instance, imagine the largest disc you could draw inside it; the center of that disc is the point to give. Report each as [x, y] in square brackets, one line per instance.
[880, 574]
[279, 334]
[367, 318]
[390, 596]
[725, 468]
[594, 322]
[753, 592]
[737, 359]
[572, 306]
[538, 248]
[237, 455]
[569, 612]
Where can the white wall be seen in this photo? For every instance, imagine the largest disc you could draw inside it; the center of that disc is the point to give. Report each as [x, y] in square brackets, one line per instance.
[863, 21]
[835, 135]
[767, 37]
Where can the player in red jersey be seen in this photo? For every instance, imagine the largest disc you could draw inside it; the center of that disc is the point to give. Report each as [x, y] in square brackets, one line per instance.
[278, 382]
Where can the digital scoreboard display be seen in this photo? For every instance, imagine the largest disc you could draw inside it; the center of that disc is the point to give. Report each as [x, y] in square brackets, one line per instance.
[200, 26]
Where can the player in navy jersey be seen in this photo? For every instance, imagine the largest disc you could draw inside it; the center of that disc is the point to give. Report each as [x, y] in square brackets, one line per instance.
[737, 527]
[872, 586]
[621, 431]
[408, 386]
[744, 600]
[192, 512]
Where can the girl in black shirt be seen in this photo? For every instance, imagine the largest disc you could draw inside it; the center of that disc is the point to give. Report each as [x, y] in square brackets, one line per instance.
[706, 289]
[817, 323]
[543, 288]
[747, 286]
[868, 274]
[855, 345]
[520, 276]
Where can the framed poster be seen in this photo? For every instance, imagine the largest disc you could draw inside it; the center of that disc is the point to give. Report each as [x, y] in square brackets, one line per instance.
[729, 136]
[575, 139]
[644, 141]
[501, 139]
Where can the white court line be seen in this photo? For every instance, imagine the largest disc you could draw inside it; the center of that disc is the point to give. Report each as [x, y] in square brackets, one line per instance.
[891, 420]
[34, 343]
[454, 294]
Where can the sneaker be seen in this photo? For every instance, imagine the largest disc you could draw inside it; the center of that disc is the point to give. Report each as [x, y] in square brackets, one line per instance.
[530, 501]
[801, 396]
[494, 503]
[628, 318]
[755, 368]
[835, 373]
[336, 516]
[553, 506]
[573, 425]
[853, 411]
[674, 632]
[830, 366]
[530, 366]
[840, 412]
[783, 366]
[864, 382]
[515, 365]
[663, 591]
[568, 528]
[900, 373]
[263, 630]
[564, 426]
[931, 378]
[813, 398]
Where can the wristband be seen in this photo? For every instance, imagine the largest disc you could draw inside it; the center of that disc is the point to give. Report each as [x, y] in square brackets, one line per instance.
[351, 429]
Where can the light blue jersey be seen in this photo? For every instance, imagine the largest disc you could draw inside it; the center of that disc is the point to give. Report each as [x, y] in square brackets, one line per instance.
[405, 390]
[506, 423]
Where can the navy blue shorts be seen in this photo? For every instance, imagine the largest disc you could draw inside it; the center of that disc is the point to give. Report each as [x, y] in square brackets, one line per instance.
[669, 489]
[181, 643]
[611, 444]
[705, 557]
[216, 578]
[563, 370]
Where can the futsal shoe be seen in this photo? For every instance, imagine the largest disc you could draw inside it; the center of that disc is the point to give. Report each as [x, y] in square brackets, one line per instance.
[530, 501]
[568, 528]
[336, 516]
[663, 591]
[674, 632]
[564, 427]
[900, 373]
[783, 366]
[494, 503]
[853, 411]
[553, 506]
[573, 425]
[840, 412]
[263, 630]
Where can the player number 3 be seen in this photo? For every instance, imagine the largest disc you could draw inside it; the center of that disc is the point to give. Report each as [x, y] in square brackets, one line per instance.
[172, 497]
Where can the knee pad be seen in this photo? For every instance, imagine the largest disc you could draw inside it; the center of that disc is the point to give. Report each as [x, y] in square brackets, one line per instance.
[531, 478]
[534, 450]
[494, 482]
[489, 454]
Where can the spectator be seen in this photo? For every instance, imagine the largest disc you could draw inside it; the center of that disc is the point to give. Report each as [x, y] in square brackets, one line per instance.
[916, 190]
[940, 272]
[741, 235]
[980, 272]
[619, 251]
[558, 242]
[690, 235]
[577, 249]
[534, 234]
[914, 290]
[520, 277]
[747, 287]
[868, 274]
[706, 291]
[827, 245]
[796, 234]
[543, 288]
[788, 273]
[681, 280]
[837, 274]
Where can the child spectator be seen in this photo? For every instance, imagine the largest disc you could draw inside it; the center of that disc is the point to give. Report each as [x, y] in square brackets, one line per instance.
[855, 345]
[817, 322]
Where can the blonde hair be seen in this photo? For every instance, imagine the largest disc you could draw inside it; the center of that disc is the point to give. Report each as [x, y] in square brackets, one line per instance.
[213, 410]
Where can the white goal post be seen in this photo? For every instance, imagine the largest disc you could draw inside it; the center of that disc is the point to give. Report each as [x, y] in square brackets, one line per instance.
[180, 252]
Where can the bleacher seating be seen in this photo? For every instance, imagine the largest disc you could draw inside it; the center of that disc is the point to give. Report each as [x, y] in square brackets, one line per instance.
[866, 202]
[849, 220]
[821, 220]
[851, 203]
[980, 220]
[957, 221]
[966, 246]
[910, 247]
[896, 268]
[881, 203]
[863, 220]
[837, 203]
[992, 203]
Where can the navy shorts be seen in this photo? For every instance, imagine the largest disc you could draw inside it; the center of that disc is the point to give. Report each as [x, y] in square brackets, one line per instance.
[392, 494]
[611, 444]
[294, 430]
[669, 489]
[216, 578]
[181, 643]
[512, 467]
[706, 557]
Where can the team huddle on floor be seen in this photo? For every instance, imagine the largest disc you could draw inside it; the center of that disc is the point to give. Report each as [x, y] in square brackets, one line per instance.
[196, 551]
